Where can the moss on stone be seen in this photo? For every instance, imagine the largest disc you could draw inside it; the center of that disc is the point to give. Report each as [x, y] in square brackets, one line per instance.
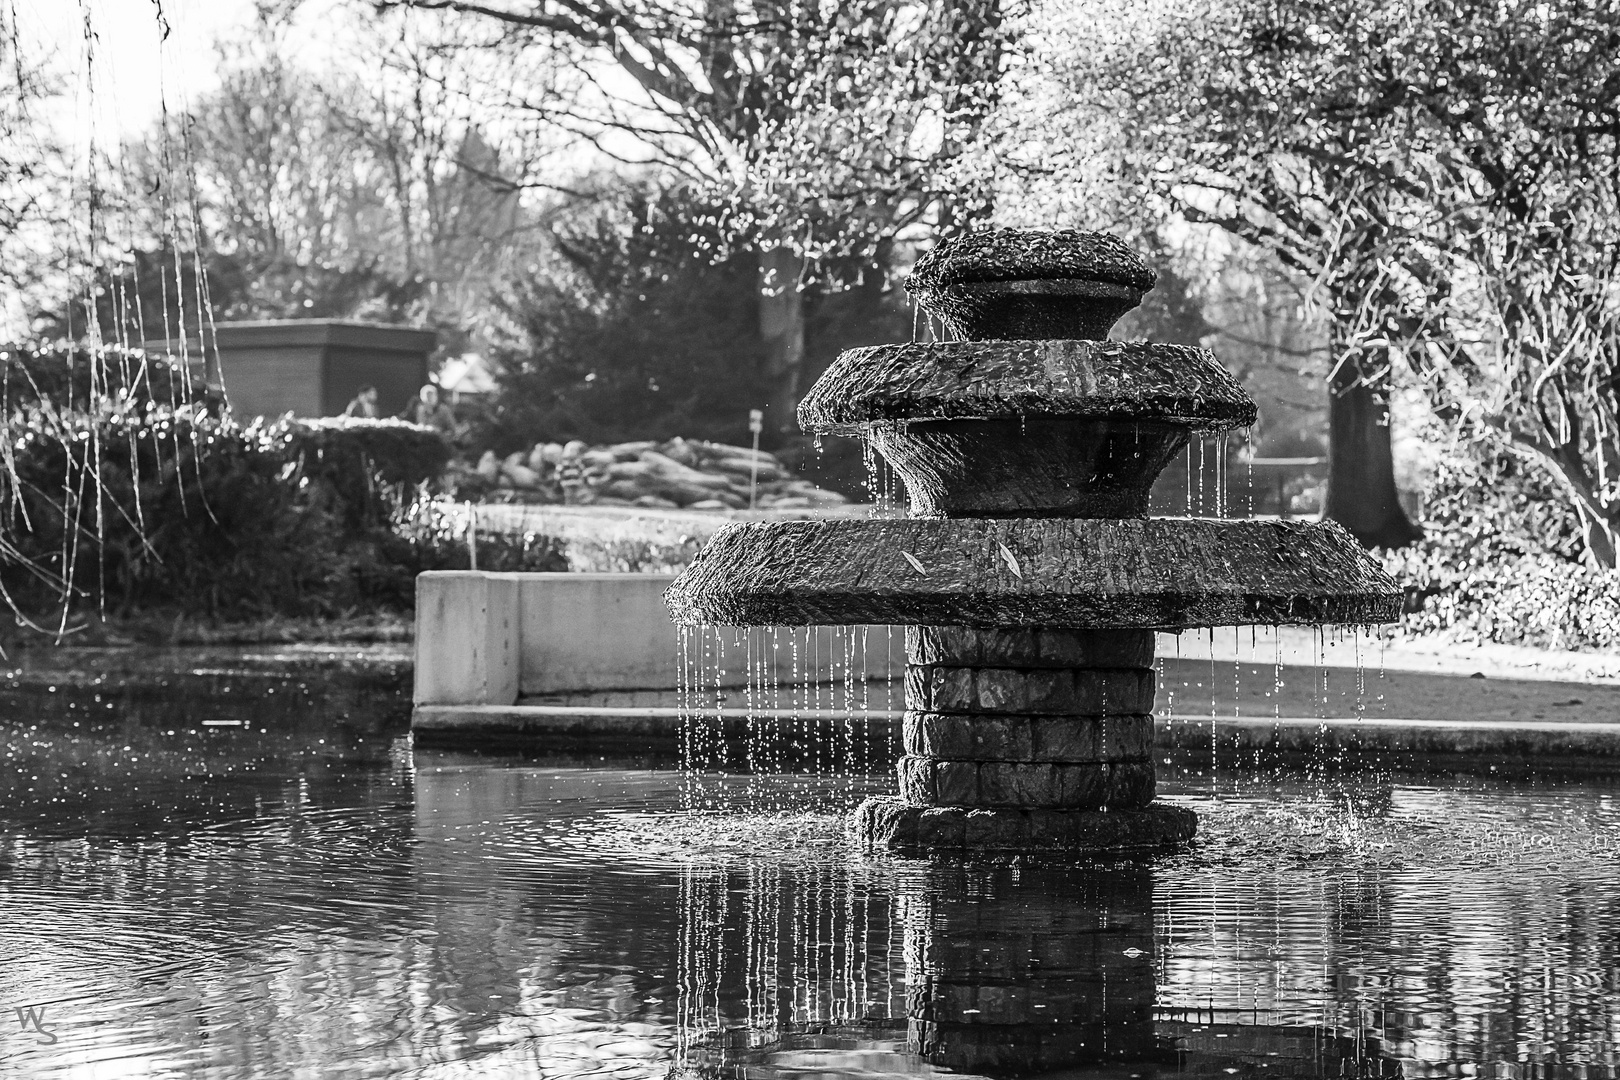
[1031, 254]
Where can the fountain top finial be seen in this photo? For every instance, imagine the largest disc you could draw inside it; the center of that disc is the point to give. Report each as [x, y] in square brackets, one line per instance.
[1032, 255]
[1021, 284]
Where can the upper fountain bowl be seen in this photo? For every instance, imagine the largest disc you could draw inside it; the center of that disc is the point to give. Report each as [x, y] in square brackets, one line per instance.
[1022, 284]
[1027, 428]
[1038, 415]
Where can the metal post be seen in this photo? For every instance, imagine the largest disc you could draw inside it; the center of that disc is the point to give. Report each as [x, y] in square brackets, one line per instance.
[756, 424]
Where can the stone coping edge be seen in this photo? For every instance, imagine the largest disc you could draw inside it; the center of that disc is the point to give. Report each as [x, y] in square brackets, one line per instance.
[442, 724]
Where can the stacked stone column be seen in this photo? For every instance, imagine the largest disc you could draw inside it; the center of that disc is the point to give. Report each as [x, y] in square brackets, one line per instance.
[1026, 739]
[1037, 719]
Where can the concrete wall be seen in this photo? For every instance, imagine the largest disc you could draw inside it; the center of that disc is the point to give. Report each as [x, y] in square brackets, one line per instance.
[487, 639]
[595, 632]
[467, 638]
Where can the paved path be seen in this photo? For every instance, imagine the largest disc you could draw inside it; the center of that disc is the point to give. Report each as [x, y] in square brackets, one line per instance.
[1300, 646]
[1406, 680]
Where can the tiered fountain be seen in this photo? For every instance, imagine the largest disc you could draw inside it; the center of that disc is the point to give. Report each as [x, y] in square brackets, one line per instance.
[1028, 574]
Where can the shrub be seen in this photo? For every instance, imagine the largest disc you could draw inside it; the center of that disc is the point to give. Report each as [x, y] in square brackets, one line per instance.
[168, 510]
[1500, 561]
[431, 534]
[68, 377]
[372, 466]
[115, 498]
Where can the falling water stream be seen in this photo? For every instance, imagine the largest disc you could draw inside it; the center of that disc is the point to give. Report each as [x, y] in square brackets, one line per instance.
[785, 702]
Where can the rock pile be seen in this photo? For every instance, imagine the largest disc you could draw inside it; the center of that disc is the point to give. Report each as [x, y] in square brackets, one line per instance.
[688, 473]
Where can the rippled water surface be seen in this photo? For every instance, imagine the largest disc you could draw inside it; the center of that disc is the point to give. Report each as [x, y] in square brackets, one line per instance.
[312, 898]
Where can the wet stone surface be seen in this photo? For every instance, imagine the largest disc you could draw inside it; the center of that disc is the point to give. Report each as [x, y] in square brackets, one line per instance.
[890, 824]
[1023, 254]
[1071, 573]
[1028, 451]
[933, 782]
[1124, 381]
[1043, 691]
[1026, 283]
[1060, 739]
[1035, 647]
[1028, 735]
[1038, 467]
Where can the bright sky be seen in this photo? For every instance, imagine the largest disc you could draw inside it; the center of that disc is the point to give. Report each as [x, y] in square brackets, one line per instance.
[135, 71]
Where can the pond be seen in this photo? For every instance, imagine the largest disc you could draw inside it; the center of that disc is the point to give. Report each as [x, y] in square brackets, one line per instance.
[309, 895]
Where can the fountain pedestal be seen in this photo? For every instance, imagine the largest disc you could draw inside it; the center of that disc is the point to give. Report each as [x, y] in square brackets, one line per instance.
[1026, 739]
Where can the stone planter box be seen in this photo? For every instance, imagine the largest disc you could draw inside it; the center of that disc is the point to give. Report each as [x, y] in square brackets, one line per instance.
[314, 367]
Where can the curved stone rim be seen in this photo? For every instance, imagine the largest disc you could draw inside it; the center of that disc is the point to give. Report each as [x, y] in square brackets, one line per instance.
[1134, 381]
[1078, 573]
[1084, 287]
[1031, 254]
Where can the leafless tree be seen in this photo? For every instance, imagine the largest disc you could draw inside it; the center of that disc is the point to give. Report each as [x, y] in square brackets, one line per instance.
[296, 175]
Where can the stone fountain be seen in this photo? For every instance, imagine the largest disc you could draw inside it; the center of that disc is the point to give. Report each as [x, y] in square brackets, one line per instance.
[1028, 574]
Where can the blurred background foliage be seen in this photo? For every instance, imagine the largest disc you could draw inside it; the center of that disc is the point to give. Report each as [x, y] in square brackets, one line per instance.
[630, 332]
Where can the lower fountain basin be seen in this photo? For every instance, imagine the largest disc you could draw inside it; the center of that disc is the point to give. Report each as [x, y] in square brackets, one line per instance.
[1156, 573]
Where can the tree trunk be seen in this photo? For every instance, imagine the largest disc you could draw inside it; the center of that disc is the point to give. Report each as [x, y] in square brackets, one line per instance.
[1598, 525]
[1600, 539]
[781, 325]
[1361, 492]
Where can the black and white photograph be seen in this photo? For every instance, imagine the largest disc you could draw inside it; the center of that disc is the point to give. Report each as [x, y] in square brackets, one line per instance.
[810, 539]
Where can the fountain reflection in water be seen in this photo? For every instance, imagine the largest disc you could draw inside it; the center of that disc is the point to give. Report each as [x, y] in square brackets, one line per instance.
[796, 938]
[998, 969]
[1381, 930]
